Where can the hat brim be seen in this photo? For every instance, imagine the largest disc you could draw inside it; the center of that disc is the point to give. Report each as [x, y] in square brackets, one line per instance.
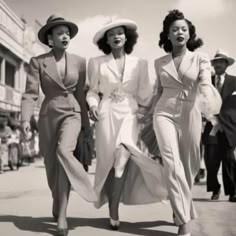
[101, 32]
[42, 34]
[230, 60]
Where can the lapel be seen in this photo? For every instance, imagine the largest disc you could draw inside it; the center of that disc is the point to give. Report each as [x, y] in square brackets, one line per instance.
[51, 69]
[111, 64]
[130, 64]
[227, 87]
[185, 64]
[169, 66]
[69, 67]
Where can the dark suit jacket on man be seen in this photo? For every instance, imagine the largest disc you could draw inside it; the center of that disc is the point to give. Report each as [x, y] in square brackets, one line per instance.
[228, 119]
[228, 110]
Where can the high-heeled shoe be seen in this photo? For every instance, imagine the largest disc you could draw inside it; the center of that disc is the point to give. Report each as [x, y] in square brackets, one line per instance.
[114, 224]
[62, 232]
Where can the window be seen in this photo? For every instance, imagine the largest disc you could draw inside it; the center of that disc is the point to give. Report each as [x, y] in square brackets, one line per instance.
[10, 75]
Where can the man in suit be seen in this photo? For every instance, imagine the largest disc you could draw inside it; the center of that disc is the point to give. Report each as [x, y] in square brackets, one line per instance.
[220, 131]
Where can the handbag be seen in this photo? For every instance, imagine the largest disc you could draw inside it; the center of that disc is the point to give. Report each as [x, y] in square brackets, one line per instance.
[84, 151]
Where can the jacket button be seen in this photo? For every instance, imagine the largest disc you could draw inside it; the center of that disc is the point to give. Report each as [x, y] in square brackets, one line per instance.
[66, 95]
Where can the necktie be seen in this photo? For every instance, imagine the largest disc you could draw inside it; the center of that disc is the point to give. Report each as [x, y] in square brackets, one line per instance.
[218, 83]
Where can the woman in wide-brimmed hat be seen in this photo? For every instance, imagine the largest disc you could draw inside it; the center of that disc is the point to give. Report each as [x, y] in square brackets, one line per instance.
[119, 90]
[63, 112]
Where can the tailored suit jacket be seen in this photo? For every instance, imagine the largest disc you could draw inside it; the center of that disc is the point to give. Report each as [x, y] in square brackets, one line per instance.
[66, 95]
[104, 78]
[227, 110]
[183, 84]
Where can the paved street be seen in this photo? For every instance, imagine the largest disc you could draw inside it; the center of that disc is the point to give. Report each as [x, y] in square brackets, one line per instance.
[25, 210]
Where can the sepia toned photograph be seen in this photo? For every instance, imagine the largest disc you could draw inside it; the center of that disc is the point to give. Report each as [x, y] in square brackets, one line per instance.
[117, 118]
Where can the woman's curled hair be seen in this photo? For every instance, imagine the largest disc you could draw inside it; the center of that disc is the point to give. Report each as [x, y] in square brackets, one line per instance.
[131, 36]
[193, 43]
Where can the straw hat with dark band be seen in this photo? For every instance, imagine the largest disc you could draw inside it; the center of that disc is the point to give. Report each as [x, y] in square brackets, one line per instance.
[112, 24]
[221, 54]
[55, 20]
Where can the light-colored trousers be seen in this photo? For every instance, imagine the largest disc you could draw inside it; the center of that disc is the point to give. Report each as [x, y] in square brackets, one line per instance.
[177, 146]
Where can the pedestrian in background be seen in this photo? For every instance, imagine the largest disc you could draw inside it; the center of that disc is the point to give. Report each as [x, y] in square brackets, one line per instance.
[5, 134]
[62, 115]
[218, 148]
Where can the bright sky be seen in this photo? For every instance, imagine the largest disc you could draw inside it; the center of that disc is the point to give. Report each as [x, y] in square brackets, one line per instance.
[214, 21]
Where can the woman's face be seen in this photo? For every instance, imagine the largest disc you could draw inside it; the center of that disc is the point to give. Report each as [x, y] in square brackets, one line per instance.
[60, 37]
[116, 37]
[179, 33]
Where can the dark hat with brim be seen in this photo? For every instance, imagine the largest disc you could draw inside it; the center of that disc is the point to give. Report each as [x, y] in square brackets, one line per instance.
[52, 22]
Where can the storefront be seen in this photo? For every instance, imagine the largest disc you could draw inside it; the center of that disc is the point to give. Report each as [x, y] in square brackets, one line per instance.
[18, 44]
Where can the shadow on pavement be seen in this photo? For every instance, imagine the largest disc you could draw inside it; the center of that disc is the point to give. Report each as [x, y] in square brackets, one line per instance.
[28, 223]
[46, 225]
[207, 200]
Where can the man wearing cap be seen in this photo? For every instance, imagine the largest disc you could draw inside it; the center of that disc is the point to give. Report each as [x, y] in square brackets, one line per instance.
[220, 132]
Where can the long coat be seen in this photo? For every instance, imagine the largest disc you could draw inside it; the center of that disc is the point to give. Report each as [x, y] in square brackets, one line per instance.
[61, 112]
[118, 125]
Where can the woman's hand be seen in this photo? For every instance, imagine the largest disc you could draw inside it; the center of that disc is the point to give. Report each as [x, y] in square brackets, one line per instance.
[145, 118]
[25, 128]
[94, 113]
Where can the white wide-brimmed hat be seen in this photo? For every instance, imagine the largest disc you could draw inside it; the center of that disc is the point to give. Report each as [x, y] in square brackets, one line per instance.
[222, 54]
[53, 21]
[112, 23]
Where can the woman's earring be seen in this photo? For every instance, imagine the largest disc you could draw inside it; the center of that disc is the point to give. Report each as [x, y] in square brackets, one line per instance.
[50, 42]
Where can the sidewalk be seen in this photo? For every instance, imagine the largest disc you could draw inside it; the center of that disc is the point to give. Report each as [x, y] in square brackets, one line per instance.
[25, 205]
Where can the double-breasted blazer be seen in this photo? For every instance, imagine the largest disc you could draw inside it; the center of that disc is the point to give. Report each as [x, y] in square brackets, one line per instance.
[63, 108]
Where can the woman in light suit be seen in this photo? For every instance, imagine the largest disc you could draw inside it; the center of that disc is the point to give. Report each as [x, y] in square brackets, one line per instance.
[119, 91]
[61, 76]
[183, 76]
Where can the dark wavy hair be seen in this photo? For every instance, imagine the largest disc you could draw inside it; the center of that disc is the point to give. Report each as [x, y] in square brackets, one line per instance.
[193, 43]
[131, 36]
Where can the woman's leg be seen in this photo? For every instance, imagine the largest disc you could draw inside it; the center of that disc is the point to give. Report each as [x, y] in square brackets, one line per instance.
[63, 190]
[167, 134]
[121, 158]
[67, 139]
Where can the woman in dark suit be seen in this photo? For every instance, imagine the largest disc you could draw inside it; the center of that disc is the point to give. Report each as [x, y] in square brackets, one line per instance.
[183, 76]
[61, 76]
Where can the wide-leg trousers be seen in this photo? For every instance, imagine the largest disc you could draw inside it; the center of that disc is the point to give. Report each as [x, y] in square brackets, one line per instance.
[179, 147]
[57, 140]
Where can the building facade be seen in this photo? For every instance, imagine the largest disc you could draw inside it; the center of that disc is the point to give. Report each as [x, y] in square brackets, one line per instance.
[18, 43]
